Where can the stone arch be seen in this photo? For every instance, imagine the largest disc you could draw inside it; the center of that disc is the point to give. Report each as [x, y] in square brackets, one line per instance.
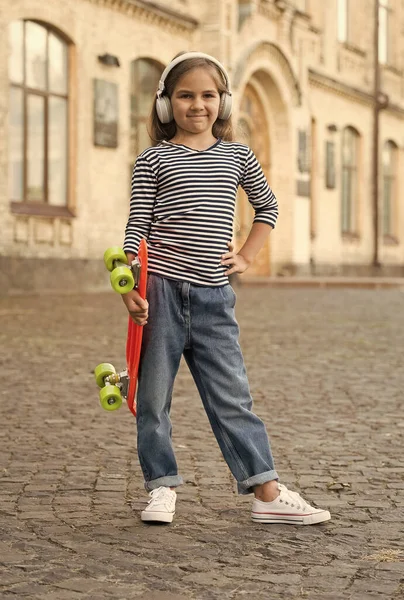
[253, 130]
[264, 54]
[279, 97]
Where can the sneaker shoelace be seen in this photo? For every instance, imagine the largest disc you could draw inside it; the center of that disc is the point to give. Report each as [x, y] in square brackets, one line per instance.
[161, 496]
[292, 499]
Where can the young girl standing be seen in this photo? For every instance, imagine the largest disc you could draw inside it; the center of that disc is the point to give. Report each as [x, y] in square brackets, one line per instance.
[183, 201]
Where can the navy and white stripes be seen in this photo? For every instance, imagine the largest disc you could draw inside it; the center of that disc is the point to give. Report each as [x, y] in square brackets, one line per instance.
[183, 203]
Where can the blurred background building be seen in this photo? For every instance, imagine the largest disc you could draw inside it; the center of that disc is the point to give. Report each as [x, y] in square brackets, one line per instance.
[318, 94]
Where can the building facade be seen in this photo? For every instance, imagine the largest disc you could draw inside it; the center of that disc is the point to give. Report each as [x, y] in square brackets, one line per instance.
[310, 80]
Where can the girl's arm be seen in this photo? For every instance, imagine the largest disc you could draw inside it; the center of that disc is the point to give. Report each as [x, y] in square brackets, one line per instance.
[255, 241]
[143, 196]
[265, 205]
[260, 195]
[240, 261]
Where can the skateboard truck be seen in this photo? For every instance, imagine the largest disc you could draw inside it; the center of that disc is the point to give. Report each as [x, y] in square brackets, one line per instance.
[121, 380]
[136, 267]
[124, 278]
[114, 386]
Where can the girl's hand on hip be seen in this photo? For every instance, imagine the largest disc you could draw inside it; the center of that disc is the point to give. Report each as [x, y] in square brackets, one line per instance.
[236, 262]
[138, 308]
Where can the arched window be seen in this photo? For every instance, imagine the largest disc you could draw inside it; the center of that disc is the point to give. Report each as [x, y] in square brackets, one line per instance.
[145, 76]
[38, 140]
[349, 183]
[389, 171]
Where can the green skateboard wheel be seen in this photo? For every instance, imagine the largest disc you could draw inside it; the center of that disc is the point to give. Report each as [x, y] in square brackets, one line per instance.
[113, 254]
[101, 371]
[122, 280]
[110, 397]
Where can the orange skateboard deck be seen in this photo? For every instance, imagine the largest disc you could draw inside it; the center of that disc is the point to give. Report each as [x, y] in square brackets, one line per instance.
[135, 333]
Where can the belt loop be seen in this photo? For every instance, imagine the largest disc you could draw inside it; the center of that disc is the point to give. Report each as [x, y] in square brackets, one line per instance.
[185, 290]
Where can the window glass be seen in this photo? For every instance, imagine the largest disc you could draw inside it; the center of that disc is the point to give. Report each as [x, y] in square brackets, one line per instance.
[145, 76]
[16, 141]
[387, 194]
[383, 35]
[148, 77]
[57, 65]
[349, 180]
[38, 115]
[346, 200]
[387, 158]
[16, 57]
[349, 147]
[342, 20]
[35, 42]
[389, 184]
[57, 151]
[35, 148]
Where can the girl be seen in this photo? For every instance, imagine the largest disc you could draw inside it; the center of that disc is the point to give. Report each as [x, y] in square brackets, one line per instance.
[183, 201]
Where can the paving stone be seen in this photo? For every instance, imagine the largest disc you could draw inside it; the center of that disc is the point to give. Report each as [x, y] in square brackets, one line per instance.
[71, 488]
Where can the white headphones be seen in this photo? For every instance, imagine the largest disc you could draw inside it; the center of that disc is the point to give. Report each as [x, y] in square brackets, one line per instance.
[163, 103]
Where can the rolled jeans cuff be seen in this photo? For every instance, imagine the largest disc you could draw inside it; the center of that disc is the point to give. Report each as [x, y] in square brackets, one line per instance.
[169, 481]
[247, 486]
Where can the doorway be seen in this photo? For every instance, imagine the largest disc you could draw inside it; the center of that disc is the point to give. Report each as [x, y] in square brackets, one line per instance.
[253, 130]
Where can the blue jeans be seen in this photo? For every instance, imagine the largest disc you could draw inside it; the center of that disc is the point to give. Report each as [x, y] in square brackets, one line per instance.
[199, 323]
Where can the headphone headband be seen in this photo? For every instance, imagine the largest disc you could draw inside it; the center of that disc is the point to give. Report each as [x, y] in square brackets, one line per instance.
[186, 56]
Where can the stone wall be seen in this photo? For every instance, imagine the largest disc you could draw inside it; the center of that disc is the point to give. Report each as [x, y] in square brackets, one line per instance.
[307, 81]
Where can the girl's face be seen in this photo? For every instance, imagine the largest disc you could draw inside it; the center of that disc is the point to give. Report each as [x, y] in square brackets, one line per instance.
[195, 102]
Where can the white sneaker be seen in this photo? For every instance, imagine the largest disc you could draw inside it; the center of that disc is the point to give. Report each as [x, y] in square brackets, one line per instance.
[289, 507]
[161, 506]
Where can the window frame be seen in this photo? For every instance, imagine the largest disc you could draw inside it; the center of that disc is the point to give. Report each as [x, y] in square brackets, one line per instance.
[43, 208]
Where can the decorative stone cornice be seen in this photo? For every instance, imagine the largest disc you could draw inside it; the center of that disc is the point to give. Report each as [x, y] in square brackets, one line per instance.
[153, 13]
[342, 89]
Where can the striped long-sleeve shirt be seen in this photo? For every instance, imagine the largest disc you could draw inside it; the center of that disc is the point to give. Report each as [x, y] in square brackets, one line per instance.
[183, 203]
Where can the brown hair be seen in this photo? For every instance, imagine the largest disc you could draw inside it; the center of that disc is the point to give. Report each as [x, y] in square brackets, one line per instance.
[165, 131]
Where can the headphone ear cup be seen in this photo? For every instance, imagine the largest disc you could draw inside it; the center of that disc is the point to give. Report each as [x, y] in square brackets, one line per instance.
[164, 109]
[225, 106]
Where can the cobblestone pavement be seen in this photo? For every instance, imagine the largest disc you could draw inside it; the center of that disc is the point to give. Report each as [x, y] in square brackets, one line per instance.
[327, 376]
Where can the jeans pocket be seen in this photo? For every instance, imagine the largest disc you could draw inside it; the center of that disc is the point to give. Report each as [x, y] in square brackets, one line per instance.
[231, 295]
